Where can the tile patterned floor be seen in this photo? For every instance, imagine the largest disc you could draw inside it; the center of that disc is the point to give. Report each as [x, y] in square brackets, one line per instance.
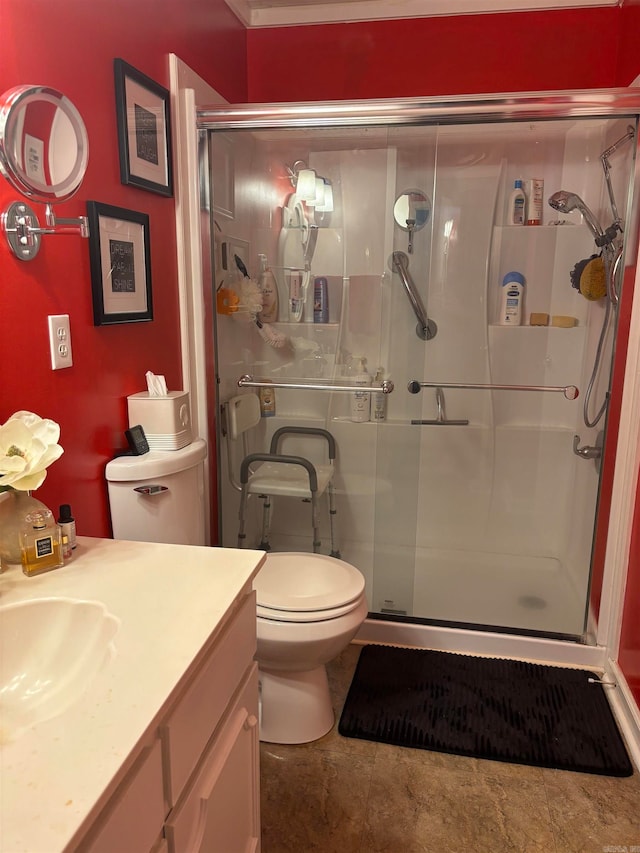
[340, 795]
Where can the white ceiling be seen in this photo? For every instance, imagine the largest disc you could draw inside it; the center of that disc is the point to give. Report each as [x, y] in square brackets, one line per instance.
[283, 13]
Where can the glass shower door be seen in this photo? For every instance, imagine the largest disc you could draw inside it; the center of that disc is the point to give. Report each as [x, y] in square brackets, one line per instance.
[484, 512]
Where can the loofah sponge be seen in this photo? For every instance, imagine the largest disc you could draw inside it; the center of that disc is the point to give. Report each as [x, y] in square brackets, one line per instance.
[589, 277]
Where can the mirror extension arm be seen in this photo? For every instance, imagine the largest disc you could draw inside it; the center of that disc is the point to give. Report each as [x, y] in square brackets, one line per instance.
[23, 232]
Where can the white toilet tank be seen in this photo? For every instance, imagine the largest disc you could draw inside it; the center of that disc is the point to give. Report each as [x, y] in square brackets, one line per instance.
[159, 496]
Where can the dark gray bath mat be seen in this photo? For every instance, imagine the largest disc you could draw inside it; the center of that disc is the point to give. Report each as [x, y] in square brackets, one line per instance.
[503, 710]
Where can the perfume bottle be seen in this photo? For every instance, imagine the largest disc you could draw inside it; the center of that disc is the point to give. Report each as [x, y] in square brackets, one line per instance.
[40, 542]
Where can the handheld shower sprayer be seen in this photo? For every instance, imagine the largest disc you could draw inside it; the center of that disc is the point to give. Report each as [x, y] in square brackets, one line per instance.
[565, 202]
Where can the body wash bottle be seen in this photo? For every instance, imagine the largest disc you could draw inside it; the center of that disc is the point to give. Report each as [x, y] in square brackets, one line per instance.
[517, 205]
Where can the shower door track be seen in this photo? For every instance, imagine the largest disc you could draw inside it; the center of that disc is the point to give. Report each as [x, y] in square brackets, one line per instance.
[461, 109]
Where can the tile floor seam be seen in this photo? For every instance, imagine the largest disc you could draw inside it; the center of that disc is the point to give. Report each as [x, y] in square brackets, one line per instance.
[554, 834]
[365, 813]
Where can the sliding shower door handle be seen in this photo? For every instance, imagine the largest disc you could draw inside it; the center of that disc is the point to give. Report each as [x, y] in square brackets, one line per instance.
[569, 391]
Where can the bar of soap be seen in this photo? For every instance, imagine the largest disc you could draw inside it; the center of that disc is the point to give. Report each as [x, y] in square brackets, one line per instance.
[539, 320]
[564, 322]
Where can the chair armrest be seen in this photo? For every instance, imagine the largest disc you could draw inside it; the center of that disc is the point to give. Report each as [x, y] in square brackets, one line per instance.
[295, 430]
[275, 457]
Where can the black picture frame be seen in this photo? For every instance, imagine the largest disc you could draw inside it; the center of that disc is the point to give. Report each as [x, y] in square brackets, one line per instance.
[144, 130]
[119, 253]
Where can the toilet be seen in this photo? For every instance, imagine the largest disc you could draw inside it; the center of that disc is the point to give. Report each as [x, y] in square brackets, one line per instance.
[309, 606]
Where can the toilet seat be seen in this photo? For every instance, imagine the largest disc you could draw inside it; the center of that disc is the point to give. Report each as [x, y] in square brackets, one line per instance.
[301, 587]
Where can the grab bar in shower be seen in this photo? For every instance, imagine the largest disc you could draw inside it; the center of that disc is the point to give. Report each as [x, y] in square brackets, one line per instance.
[426, 328]
[569, 391]
[247, 381]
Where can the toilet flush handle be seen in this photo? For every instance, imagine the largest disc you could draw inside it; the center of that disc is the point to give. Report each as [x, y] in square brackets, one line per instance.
[150, 489]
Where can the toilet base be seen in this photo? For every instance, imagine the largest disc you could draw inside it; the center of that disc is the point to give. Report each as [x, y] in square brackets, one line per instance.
[295, 707]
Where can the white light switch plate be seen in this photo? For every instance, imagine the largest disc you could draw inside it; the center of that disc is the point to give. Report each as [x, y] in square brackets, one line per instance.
[60, 341]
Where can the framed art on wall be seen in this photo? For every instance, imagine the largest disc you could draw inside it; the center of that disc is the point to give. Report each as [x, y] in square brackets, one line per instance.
[144, 130]
[120, 264]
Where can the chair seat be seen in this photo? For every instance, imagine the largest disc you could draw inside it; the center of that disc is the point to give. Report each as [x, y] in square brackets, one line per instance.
[287, 479]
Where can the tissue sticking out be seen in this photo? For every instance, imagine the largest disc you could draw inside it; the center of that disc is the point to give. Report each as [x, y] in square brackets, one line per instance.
[156, 385]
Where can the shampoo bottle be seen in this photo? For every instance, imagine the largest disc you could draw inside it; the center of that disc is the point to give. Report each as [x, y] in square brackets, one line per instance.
[361, 400]
[269, 288]
[378, 399]
[517, 205]
[511, 299]
[320, 300]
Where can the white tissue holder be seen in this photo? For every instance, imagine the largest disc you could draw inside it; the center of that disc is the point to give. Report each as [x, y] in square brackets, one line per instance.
[166, 421]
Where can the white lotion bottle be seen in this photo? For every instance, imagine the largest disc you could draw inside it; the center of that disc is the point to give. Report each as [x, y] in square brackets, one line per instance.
[511, 299]
[517, 205]
[361, 400]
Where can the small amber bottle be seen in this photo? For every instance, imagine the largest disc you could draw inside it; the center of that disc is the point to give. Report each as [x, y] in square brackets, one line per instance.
[40, 542]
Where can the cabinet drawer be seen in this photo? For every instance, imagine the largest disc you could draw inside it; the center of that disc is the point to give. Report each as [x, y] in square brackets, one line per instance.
[220, 812]
[132, 820]
[194, 719]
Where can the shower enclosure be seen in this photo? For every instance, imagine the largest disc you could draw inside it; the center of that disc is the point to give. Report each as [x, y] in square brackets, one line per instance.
[469, 497]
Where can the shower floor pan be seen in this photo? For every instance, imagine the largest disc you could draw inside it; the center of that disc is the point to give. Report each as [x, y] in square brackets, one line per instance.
[501, 590]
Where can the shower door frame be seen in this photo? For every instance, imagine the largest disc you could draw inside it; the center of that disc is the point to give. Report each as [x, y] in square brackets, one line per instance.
[457, 110]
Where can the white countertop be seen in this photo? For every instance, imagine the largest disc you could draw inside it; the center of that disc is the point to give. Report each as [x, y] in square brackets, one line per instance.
[169, 599]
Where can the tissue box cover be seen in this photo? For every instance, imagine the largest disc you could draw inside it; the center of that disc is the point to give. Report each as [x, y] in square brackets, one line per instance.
[166, 421]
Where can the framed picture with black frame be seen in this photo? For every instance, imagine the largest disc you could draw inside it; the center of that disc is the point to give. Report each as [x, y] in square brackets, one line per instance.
[144, 130]
[119, 252]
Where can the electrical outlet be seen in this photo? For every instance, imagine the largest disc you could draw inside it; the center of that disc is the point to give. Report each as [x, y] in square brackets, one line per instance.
[60, 341]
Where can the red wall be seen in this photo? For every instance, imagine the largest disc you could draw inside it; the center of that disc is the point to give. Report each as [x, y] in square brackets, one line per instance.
[70, 46]
[566, 49]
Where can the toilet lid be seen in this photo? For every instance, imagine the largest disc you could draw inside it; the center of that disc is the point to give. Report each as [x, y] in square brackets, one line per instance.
[297, 581]
[307, 616]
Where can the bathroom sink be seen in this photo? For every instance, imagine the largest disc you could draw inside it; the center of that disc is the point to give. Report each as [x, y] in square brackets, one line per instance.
[50, 651]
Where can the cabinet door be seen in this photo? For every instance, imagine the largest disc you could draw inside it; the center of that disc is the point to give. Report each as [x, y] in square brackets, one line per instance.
[221, 809]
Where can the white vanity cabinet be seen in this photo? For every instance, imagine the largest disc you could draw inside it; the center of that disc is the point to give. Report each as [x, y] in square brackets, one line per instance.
[195, 784]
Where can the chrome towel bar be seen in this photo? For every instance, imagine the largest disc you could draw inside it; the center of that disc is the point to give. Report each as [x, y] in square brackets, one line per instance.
[247, 381]
[569, 391]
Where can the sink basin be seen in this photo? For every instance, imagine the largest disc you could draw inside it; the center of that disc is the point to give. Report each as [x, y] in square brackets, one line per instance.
[50, 651]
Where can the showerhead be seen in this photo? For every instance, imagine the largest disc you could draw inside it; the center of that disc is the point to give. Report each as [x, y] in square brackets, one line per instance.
[566, 202]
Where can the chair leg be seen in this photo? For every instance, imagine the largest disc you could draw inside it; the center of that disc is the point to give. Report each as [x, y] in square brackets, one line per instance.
[314, 521]
[241, 516]
[266, 523]
[335, 551]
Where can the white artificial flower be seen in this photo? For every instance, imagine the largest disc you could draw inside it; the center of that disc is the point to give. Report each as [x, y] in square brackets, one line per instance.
[28, 445]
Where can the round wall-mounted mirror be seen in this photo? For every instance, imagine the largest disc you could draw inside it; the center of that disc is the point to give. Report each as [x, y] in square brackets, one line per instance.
[43, 143]
[412, 210]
